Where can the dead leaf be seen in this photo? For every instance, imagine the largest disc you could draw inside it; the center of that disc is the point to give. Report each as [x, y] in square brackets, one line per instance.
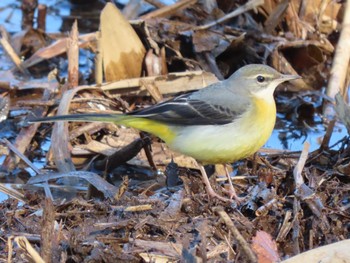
[122, 50]
[265, 248]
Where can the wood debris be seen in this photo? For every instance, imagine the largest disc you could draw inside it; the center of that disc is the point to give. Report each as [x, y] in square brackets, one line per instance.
[106, 193]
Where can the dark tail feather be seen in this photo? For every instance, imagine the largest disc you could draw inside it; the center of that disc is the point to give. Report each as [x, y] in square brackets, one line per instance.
[88, 117]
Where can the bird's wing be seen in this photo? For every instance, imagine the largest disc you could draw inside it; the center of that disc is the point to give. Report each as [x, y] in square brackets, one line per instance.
[196, 109]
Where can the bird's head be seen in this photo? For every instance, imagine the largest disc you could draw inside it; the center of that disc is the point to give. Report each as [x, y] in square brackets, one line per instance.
[259, 80]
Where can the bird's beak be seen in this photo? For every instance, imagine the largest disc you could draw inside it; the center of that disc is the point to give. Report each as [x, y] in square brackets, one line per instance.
[289, 77]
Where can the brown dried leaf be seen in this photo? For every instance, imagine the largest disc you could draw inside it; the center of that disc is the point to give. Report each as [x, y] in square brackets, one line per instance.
[265, 248]
[122, 50]
[205, 40]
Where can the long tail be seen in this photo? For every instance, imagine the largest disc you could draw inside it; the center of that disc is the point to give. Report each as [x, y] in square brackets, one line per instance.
[88, 117]
[157, 128]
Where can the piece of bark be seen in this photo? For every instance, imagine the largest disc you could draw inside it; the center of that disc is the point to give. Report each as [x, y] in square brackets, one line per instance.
[55, 49]
[47, 231]
[42, 11]
[169, 9]
[28, 8]
[340, 66]
[73, 56]
[170, 84]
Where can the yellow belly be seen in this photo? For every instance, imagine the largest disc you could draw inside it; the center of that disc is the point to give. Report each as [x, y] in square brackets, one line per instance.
[211, 144]
[227, 143]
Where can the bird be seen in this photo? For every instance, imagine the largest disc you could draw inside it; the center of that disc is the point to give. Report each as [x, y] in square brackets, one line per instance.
[219, 124]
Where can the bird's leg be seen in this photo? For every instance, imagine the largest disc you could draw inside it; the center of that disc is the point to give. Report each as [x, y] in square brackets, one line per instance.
[231, 191]
[210, 190]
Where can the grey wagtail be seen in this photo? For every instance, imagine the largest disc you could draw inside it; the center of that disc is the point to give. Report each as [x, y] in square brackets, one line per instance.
[221, 123]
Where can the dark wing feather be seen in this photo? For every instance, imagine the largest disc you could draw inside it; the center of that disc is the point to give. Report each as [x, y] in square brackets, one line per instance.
[184, 110]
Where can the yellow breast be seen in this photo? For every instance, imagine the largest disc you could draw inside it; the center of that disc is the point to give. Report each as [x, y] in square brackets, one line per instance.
[212, 144]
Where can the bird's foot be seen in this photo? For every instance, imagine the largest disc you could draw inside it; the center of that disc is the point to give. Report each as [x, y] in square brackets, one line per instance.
[231, 191]
[234, 197]
[213, 194]
[210, 191]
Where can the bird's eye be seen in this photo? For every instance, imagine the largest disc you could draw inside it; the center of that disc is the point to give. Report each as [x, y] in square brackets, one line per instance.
[260, 79]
